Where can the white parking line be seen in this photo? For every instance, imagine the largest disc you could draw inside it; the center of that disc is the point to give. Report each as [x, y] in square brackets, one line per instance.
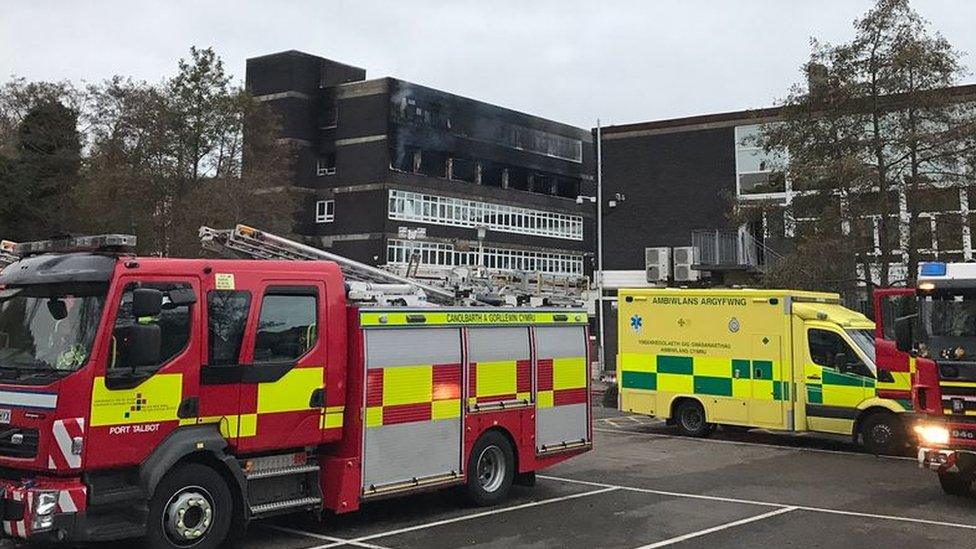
[826, 510]
[718, 528]
[664, 492]
[334, 541]
[743, 443]
[474, 516]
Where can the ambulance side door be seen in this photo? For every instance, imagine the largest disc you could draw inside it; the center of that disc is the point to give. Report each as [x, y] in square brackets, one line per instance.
[837, 379]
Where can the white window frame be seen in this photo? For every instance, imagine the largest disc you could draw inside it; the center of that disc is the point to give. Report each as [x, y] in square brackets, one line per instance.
[325, 211]
[458, 212]
[398, 252]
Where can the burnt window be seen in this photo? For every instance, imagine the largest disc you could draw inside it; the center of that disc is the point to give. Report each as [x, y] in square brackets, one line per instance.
[287, 325]
[463, 169]
[326, 165]
[227, 317]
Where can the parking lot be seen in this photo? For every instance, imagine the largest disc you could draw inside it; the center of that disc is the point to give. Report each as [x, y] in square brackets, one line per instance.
[643, 486]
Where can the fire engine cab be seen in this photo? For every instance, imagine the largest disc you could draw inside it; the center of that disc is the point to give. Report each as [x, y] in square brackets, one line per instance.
[178, 399]
[940, 334]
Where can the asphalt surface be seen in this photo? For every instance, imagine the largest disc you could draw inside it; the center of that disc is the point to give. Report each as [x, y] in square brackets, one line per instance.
[643, 486]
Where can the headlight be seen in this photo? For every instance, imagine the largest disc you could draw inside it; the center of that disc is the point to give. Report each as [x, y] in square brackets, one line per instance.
[42, 522]
[932, 434]
[45, 503]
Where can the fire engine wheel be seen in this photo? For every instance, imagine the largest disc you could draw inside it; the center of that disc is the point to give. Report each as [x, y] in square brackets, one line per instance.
[491, 469]
[956, 484]
[192, 507]
[882, 433]
[690, 417]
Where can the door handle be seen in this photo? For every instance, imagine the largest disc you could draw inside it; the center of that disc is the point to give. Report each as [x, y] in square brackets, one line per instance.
[318, 399]
[813, 377]
[189, 408]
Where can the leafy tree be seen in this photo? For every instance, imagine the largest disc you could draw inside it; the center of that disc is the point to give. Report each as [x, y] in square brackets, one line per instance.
[37, 178]
[875, 123]
[165, 159]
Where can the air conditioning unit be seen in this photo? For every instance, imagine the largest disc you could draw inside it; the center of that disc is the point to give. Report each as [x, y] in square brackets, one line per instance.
[684, 258]
[657, 263]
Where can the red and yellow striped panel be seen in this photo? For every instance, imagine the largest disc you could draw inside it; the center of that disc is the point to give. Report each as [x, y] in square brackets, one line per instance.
[405, 394]
[501, 381]
[562, 381]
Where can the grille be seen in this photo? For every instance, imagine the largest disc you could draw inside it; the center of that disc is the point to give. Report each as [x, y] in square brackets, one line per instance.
[27, 447]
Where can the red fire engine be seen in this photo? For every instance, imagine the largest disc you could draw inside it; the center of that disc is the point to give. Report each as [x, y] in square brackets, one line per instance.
[178, 399]
[940, 334]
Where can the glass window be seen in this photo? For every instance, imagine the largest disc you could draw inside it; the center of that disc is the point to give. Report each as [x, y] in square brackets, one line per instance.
[227, 318]
[325, 211]
[468, 213]
[326, 165]
[829, 349]
[48, 328]
[287, 325]
[757, 171]
[173, 322]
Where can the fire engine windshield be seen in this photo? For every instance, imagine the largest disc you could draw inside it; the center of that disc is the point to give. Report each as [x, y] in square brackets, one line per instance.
[948, 326]
[47, 330]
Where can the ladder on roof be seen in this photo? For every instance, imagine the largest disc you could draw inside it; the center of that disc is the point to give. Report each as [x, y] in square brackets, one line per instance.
[366, 283]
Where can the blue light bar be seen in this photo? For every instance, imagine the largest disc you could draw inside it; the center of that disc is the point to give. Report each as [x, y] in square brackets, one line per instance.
[932, 269]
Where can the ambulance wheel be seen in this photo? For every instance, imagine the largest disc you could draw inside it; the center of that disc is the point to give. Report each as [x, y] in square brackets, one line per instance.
[956, 484]
[882, 433]
[191, 507]
[690, 417]
[491, 469]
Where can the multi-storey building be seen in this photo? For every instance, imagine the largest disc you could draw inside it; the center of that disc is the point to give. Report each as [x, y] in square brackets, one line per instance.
[395, 172]
[682, 179]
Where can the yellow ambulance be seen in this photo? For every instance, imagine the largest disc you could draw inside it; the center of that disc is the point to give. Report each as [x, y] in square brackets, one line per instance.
[747, 358]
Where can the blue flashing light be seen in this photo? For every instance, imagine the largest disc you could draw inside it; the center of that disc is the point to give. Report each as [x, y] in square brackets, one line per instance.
[932, 269]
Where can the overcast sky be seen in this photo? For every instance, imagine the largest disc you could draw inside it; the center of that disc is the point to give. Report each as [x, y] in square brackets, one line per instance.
[572, 61]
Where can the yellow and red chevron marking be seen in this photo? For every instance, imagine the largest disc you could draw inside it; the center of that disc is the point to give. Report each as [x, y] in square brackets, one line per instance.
[561, 381]
[499, 381]
[405, 394]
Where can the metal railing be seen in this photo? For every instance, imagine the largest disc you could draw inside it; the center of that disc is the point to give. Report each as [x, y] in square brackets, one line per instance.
[718, 248]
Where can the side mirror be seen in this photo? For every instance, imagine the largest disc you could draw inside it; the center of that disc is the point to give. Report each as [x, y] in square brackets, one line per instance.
[904, 338]
[182, 296]
[141, 348]
[146, 302]
[57, 308]
[144, 345]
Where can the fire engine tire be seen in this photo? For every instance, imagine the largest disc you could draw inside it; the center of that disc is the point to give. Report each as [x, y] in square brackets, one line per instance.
[491, 469]
[883, 433]
[192, 507]
[956, 484]
[690, 418]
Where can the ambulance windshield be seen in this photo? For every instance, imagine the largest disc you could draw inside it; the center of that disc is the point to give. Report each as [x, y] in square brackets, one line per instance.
[47, 330]
[947, 326]
[864, 339]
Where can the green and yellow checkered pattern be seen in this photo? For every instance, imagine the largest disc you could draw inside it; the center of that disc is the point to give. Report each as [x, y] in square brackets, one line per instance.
[712, 376]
